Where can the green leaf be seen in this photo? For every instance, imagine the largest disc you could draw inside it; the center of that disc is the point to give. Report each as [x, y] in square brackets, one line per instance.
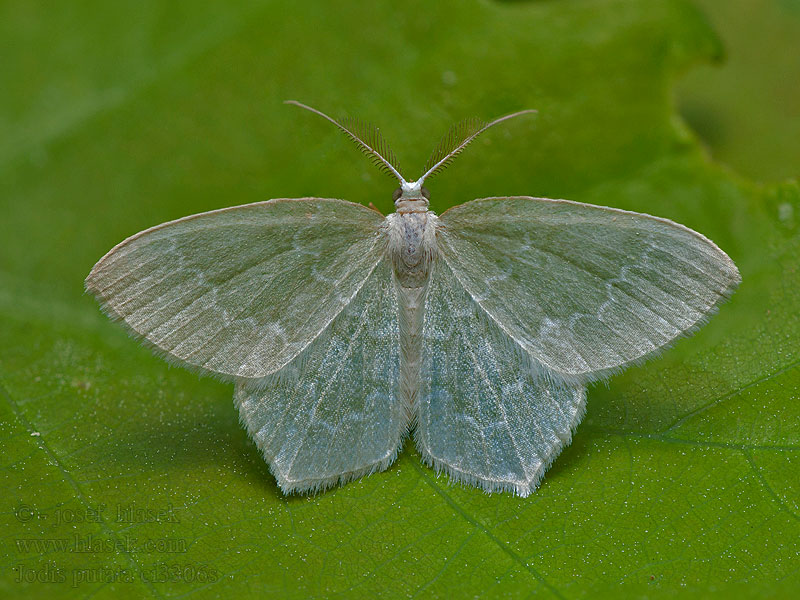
[746, 109]
[124, 477]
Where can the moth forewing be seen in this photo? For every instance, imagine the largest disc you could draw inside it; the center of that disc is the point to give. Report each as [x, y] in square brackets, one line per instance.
[227, 292]
[586, 290]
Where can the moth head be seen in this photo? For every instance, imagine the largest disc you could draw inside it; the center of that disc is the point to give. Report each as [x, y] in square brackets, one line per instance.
[371, 143]
[411, 190]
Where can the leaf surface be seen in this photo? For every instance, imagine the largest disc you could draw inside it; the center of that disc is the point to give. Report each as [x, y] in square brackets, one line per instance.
[682, 479]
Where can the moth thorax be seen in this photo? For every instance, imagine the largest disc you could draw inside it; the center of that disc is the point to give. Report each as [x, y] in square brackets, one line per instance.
[414, 205]
[413, 247]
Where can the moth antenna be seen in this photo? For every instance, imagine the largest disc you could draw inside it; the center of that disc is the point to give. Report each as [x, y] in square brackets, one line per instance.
[459, 137]
[368, 139]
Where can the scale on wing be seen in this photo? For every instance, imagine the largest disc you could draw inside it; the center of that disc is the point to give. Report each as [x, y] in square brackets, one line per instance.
[585, 290]
[241, 291]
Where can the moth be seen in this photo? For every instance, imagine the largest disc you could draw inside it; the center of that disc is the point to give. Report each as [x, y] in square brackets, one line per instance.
[478, 330]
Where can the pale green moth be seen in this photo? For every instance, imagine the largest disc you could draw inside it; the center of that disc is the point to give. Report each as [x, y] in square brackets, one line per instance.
[478, 329]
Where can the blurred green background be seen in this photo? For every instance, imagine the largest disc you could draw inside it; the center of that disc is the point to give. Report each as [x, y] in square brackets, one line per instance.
[126, 478]
[745, 106]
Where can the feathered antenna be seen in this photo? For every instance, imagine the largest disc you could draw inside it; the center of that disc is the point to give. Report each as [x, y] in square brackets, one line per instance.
[368, 139]
[458, 138]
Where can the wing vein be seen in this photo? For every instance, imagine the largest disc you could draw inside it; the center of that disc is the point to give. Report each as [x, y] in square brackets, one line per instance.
[325, 326]
[351, 344]
[599, 278]
[481, 371]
